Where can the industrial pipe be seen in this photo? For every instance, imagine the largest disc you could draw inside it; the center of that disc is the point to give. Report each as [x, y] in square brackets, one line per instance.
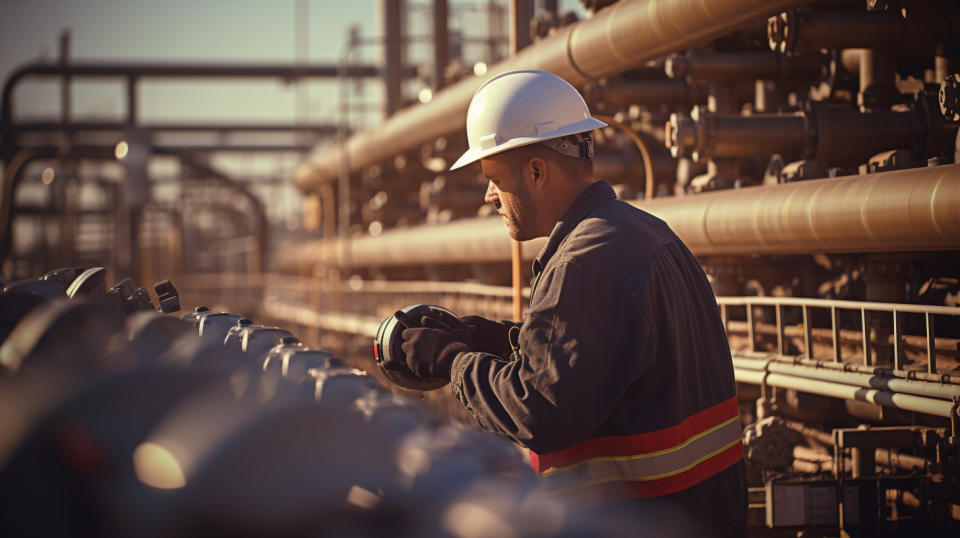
[739, 66]
[640, 92]
[901, 210]
[798, 31]
[705, 136]
[618, 38]
[893, 384]
[133, 72]
[908, 402]
[836, 135]
[641, 147]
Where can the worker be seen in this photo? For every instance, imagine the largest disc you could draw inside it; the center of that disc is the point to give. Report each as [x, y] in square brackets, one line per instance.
[619, 380]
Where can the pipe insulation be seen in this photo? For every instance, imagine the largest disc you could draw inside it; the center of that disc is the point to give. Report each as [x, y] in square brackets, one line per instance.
[620, 37]
[901, 210]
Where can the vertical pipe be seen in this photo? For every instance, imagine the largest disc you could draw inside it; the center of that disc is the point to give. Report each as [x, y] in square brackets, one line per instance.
[441, 42]
[865, 325]
[931, 344]
[65, 101]
[779, 314]
[495, 31]
[391, 13]
[67, 164]
[897, 341]
[132, 104]
[835, 322]
[807, 333]
[521, 11]
[941, 65]
[750, 334]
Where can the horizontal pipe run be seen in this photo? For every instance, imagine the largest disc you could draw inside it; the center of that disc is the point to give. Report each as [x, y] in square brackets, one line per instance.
[758, 134]
[908, 402]
[640, 92]
[740, 66]
[620, 37]
[892, 384]
[901, 210]
[809, 31]
[72, 127]
[169, 70]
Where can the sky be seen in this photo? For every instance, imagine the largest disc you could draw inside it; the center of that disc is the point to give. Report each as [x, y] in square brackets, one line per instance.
[202, 31]
[241, 31]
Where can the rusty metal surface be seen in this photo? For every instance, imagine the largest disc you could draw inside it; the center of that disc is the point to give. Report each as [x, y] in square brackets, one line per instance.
[617, 38]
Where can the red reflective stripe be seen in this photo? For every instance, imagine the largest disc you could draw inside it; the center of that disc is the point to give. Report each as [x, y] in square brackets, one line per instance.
[625, 490]
[626, 445]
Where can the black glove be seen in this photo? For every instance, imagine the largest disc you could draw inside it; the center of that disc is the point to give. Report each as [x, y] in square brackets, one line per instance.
[489, 336]
[430, 346]
[479, 333]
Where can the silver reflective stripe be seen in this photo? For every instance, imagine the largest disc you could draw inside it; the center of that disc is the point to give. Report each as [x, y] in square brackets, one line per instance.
[648, 466]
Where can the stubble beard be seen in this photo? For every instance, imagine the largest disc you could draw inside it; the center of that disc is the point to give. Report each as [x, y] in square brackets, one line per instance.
[521, 215]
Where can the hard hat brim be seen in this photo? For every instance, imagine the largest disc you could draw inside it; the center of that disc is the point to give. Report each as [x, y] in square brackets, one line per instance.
[473, 155]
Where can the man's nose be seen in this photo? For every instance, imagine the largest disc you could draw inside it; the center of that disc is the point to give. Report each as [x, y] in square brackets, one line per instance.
[493, 194]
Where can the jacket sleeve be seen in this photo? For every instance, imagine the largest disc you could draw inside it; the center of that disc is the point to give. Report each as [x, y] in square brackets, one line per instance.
[581, 346]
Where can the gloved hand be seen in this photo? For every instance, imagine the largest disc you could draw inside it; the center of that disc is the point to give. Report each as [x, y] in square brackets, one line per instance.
[489, 336]
[429, 350]
[479, 333]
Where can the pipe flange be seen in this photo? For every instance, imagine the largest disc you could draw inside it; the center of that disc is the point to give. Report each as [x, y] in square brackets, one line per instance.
[782, 32]
[949, 97]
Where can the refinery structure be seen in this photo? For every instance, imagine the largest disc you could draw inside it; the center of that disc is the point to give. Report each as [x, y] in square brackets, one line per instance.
[805, 152]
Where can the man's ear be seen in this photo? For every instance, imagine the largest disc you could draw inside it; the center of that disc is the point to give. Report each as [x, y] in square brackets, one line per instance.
[538, 171]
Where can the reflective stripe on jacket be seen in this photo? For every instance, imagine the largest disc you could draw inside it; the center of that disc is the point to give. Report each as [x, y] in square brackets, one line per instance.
[651, 464]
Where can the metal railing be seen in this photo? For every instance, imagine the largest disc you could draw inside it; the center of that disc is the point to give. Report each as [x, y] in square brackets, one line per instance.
[364, 302]
[835, 307]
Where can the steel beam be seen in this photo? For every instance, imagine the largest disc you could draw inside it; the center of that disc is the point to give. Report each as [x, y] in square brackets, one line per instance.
[620, 37]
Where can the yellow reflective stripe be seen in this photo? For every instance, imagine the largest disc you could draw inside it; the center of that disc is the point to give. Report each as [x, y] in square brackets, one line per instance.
[642, 455]
[644, 478]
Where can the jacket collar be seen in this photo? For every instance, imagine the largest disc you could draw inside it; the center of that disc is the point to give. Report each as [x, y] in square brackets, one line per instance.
[591, 198]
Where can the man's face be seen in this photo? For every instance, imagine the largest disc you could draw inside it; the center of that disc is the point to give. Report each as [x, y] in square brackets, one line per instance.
[508, 191]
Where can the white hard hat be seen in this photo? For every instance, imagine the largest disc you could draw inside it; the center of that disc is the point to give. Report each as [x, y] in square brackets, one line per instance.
[521, 107]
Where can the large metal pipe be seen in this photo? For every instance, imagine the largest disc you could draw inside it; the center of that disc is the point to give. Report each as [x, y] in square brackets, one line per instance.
[709, 135]
[641, 92]
[835, 135]
[908, 402]
[901, 210]
[738, 66]
[618, 38]
[801, 31]
[892, 384]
